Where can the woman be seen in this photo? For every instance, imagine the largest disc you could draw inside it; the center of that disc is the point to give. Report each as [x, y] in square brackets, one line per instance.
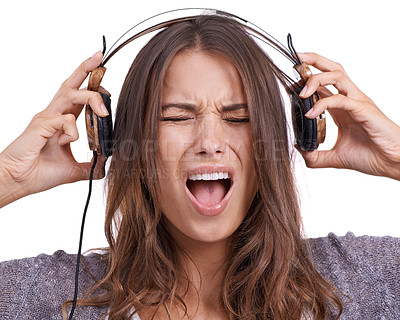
[203, 95]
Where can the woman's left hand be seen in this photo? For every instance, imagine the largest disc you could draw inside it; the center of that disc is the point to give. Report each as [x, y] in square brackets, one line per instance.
[367, 141]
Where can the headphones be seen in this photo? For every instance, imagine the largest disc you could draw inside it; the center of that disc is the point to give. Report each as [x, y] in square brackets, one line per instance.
[309, 133]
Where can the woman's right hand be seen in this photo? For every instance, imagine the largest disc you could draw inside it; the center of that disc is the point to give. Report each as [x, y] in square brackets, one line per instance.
[40, 158]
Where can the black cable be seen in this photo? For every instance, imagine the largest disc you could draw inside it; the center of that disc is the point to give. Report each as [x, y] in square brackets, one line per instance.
[292, 49]
[104, 45]
[104, 50]
[78, 258]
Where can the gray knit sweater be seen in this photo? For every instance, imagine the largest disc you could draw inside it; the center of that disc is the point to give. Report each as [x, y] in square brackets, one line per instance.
[367, 269]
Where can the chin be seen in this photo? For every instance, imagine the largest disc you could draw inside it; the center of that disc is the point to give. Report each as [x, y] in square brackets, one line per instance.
[205, 234]
[186, 224]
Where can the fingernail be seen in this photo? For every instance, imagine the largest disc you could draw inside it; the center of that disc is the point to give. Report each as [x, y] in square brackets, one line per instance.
[303, 92]
[309, 113]
[104, 110]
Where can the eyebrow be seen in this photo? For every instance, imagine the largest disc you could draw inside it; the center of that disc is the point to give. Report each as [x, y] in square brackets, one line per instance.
[192, 107]
[233, 107]
[184, 106]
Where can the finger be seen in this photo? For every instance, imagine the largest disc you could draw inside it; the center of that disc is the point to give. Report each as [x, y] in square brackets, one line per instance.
[336, 78]
[101, 89]
[46, 127]
[320, 159]
[347, 109]
[79, 75]
[72, 101]
[320, 62]
[323, 93]
[76, 109]
[42, 128]
[337, 101]
[103, 109]
[70, 130]
[338, 116]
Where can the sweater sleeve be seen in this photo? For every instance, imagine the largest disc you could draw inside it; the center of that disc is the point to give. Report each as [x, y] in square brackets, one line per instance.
[36, 288]
[366, 269]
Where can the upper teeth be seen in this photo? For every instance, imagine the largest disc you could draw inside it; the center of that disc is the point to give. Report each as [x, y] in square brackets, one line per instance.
[209, 176]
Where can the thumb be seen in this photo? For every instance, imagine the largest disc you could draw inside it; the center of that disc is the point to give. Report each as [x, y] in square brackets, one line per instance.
[99, 171]
[319, 159]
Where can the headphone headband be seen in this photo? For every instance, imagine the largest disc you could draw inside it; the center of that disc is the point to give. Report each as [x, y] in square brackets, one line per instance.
[251, 28]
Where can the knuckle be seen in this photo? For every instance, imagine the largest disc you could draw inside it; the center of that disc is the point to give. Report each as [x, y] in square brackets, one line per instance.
[314, 80]
[38, 117]
[334, 100]
[94, 97]
[69, 117]
[71, 96]
[75, 135]
[98, 96]
[321, 105]
[313, 55]
[65, 96]
[64, 84]
[339, 98]
[34, 121]
[309, 162]
[338, 66]
[339, 74]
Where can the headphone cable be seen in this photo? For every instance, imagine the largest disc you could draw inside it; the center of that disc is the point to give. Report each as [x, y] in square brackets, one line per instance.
[78, 258]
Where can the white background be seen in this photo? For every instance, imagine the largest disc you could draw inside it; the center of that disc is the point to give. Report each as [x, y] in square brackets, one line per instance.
[43, 42]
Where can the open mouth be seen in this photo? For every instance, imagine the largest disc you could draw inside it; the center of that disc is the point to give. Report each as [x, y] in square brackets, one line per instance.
[209, 189]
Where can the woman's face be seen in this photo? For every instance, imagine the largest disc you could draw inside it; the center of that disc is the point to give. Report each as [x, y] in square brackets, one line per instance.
[207, 171]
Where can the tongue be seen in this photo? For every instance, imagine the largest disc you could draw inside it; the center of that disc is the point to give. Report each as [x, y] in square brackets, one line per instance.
[208, 192]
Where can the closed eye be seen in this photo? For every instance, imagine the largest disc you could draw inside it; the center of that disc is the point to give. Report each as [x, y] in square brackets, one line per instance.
[237, 120]
[175, 119]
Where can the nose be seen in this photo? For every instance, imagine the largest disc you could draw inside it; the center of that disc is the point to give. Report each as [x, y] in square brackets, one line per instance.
[210, 137]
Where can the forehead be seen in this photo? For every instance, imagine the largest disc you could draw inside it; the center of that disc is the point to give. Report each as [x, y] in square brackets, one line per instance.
[200, 75]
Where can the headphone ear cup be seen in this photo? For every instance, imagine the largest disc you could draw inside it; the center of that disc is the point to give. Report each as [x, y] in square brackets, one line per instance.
[305, 129]
[105, 128]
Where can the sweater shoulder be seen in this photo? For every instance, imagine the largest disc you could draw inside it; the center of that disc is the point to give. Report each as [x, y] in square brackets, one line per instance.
[377, 252]
[366, 269]
[40, 285]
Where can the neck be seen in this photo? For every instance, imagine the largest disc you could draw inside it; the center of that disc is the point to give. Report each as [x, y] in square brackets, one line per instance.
[204, 265]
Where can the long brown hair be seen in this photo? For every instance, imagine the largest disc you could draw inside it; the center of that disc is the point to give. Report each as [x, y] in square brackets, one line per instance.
[269, 275]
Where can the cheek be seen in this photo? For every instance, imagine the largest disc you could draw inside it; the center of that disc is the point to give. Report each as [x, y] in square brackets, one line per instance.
[168, 145]
[167, 157]
[242, 145]
[171, 144]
